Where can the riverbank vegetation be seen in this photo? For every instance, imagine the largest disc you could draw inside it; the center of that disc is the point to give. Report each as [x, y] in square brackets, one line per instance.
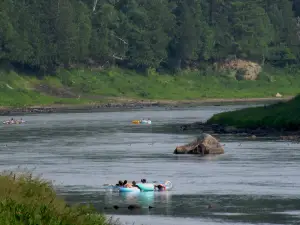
[281, 116]
[86, 87]
[73, 48]
[28, 200]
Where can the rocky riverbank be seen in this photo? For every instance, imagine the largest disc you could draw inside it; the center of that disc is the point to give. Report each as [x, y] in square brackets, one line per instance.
[200, 127]
[72, 108]
[125, 103]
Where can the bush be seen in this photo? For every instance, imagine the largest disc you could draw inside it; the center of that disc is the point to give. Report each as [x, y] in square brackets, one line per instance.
[33, 201]
[280, 116]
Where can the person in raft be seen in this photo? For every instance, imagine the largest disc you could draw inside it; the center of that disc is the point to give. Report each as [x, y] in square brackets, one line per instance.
[127, 185]
[143, 181]
[120, 183]
[134, 185]
[160, 187]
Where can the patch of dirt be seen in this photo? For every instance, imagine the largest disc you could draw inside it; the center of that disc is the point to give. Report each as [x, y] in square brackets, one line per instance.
[55, 91]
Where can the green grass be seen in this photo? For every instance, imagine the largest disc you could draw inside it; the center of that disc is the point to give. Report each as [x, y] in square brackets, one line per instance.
[32, 201]
[188, 85]
[284, 115]
[18, 90]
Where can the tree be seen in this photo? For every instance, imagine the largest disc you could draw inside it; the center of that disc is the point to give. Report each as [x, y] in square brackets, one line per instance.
[83, 30]
[186, 41]
[251, 29]
[285, 46]
[148, 25]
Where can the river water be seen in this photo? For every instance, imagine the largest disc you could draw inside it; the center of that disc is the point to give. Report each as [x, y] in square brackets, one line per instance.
[254, 182]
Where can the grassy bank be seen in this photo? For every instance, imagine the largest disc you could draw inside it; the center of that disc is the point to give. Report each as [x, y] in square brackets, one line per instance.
[284, 115]
[27, 200]
[86, 86]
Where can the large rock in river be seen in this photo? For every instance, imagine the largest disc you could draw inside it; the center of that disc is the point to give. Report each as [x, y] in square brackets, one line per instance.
[204, 144]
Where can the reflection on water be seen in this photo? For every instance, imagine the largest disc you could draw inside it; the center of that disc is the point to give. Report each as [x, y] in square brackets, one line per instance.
[234, 208]
[254, 182]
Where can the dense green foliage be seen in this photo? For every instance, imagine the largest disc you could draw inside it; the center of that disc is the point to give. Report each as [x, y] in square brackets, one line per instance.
[87, 87]
[156, 34]
[284, 115]
[27, 200]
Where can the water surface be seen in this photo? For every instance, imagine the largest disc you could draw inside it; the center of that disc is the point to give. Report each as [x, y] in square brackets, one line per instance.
[254, 182]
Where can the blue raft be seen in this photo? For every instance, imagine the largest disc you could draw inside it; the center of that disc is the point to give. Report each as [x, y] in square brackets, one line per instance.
[125, 189]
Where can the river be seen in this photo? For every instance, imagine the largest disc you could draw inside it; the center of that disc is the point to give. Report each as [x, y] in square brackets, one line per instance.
[254, 182]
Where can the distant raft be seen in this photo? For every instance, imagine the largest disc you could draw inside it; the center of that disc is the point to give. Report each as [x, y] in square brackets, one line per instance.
[15, 122]
[141, 122]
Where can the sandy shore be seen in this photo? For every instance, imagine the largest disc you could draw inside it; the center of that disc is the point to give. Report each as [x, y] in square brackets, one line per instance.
[124, 103]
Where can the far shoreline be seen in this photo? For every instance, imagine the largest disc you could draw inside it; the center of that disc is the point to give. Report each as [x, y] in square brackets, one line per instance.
[120, 103]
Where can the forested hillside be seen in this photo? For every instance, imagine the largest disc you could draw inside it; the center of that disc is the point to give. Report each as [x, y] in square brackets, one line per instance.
[169, 34]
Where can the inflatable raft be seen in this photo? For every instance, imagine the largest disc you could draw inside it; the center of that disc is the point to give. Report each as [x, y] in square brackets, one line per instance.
[8, 122]
[141, 121]
[143, 187]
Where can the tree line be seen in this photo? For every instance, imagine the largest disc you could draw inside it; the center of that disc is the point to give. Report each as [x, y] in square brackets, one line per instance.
[171, 34]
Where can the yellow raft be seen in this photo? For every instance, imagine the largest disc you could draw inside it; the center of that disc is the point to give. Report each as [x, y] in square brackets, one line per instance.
[141, 122]
[135, 121]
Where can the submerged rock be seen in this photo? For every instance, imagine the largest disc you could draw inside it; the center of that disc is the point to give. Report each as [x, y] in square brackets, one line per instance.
[204, 144]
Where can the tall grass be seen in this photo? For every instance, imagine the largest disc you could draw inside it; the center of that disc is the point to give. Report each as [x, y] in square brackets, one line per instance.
[284, 115]
[28, 200]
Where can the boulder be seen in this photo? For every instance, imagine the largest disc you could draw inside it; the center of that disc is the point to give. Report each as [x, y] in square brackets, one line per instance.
[204, 144]
[245, 70]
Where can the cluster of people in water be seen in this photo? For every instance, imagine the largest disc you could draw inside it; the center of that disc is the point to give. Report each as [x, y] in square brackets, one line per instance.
[126, 184]
[145, 120]
[133, 184]
[13, 121]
